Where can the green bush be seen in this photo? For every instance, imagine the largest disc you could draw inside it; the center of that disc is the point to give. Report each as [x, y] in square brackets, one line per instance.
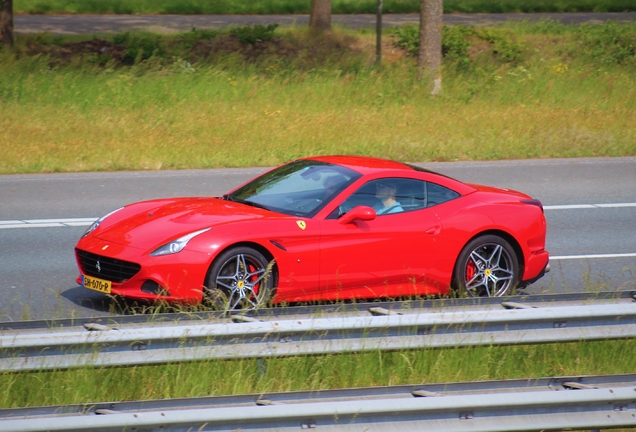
[254, 33]
[503, 43]
[139, 47]
[185, 41]
[407, 38]
[610, 43]
[456, 42]
[199, 34]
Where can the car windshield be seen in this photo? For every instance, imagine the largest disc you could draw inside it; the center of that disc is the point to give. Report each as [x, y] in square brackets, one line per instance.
[299, 188]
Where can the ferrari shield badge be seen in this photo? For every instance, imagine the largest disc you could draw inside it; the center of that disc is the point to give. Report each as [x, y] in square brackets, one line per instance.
[301, 224]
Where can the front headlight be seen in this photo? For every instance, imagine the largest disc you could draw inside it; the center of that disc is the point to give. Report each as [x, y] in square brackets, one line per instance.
[97, 222]
[177, 245]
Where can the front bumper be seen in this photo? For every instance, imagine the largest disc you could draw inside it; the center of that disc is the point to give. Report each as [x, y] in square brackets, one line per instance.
[176, 278]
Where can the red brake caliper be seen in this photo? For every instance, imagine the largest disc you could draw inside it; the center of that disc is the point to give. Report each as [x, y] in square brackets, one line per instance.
[470, 271]
[252, 268]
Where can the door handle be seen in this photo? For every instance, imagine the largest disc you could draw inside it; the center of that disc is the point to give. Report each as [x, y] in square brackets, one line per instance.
[433, 230]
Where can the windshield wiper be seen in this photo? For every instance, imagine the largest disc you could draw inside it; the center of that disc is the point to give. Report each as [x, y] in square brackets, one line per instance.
[229, 197]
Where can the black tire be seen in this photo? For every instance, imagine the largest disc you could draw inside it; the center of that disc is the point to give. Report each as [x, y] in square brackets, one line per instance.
[241, 278]
[486, 267]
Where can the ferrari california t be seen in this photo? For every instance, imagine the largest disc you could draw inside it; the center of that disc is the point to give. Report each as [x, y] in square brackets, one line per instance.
[320, 228]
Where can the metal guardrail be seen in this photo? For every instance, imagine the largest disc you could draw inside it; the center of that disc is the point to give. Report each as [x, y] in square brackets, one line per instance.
[521, 323]
[305, 311]
[509, 405]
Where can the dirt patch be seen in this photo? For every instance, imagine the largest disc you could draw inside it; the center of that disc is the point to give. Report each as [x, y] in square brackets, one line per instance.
[302, 50]
[83, 50]
[478, 47]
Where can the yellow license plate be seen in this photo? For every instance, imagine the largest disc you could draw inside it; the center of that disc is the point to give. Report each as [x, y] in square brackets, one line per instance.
[100, 285]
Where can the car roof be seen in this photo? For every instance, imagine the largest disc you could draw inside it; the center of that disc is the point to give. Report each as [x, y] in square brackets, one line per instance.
[368, 165]
[362, 164]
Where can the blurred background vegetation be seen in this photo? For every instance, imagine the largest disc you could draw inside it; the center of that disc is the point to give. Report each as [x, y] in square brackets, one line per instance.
[302, 6]
[262, 95]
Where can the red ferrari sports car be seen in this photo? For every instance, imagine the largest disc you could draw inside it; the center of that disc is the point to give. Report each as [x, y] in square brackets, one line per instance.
[320, 228]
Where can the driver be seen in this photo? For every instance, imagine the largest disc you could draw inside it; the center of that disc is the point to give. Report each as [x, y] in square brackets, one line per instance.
[385, 192]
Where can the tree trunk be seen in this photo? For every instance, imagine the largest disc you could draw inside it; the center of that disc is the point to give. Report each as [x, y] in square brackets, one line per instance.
[320, 15]
[429, 57]
[6, 22]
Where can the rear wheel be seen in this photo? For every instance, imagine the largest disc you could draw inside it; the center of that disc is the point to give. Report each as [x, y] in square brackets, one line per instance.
[486, 267]
[240, 279]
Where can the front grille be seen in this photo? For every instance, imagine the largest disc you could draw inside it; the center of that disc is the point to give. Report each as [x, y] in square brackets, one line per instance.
[106, 268]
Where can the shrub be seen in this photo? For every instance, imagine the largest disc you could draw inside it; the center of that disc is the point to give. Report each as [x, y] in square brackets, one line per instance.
[407, 38]
[503, 43]
[256, 33]
[455, 41]
[199, 34]
[610, 43]
[139, 47]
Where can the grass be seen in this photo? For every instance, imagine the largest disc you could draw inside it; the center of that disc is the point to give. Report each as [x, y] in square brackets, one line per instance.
[302, 7]
[196, 379]
[549, 93]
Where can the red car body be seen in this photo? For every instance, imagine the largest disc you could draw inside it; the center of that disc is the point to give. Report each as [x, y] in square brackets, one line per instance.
[320, 257]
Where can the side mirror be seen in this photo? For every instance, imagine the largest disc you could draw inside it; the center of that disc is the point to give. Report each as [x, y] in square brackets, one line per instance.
[363, 213]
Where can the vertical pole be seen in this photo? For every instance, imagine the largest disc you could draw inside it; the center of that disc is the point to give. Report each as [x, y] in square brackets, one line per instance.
[378, 34]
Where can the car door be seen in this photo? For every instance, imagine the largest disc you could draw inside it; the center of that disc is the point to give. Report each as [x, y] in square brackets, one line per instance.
[386, 256]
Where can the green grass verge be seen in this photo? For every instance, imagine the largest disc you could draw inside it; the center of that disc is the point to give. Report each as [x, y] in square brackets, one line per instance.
[302, 7]
[202, 99]
[315, 373]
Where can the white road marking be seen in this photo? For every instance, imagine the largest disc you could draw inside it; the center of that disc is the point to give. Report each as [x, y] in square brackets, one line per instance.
[46, 223]
[73, 222]
[571, 257]
[588, 206]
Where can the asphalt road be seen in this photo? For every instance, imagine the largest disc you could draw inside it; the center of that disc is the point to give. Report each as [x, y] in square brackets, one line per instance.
[96, 24]
[37, 267]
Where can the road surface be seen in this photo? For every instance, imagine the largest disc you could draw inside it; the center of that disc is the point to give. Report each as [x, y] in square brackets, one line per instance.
[590, 209]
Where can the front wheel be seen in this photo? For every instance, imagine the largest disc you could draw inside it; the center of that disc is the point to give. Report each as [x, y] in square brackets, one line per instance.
[486, 267]
[240, 279]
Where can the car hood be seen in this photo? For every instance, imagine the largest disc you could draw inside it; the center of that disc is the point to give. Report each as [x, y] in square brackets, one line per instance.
[146, 226]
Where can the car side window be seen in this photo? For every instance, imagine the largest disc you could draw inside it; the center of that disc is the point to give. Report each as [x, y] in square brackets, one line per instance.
[388, 196]
[439, 194]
